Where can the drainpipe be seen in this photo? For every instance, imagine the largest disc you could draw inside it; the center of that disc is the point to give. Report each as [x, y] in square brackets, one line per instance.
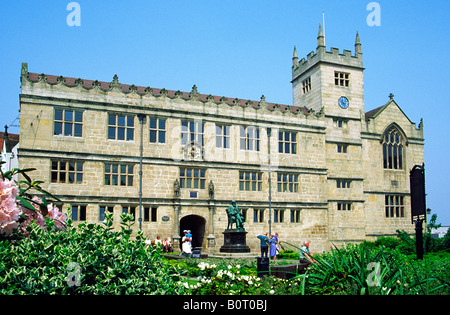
[141, 122]
[269, 134]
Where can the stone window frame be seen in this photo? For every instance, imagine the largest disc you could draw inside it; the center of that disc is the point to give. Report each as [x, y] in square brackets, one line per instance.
[130, 209]
[287, 182]
[150, 214]
[287, 142]
[306, 85]
[102, 212]
[192, 130]
[394, 206]
[65, 125]
[123, 130]
[119, 172]
[258, 215]
[79, 212]
[341, 79]
[250, 181]
[393, 143]
[340, 123]
[250, 138]
[343, 183]
[342, 148]
[61, 171]
[344, 206]
[157, 132]
[188, 175]
[295, 216]
[223, 136]
[278, 215]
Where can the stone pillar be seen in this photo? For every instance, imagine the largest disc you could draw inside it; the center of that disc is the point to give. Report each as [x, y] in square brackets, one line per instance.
[211, 238]
[176, 225]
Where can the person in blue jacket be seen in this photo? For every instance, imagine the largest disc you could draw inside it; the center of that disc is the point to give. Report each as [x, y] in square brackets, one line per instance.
[264, 244]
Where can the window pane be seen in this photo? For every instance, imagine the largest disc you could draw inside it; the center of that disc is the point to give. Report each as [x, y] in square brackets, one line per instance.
[58, 114]
[74, 213]
[130, 134]
[112, 120]
[162, 124]
[153, 136]
[121, 120]
[67, 129]
[58, 129]
[78, 130]
[68, 115]
[111, 133]
[120, 133]
[130, 121]
[79, 116]
[162, 137]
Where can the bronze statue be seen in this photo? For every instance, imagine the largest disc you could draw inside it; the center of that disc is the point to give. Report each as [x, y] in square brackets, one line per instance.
[234, 216]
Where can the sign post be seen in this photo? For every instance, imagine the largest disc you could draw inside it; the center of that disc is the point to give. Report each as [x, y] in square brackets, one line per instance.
[418, 204]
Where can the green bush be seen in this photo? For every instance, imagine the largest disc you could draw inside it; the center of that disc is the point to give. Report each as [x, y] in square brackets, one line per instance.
[288, 254]
[362, 269]
[90, 259]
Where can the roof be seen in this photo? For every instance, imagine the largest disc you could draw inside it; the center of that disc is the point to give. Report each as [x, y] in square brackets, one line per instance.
[126, 88]
[376, 111]
[12, 141]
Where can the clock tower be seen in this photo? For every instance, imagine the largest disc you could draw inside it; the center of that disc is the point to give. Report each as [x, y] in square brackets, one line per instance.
[332, 83]
[330, 80]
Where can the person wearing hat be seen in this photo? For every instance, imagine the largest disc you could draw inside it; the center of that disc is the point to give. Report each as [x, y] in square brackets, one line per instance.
[189, 235]
[186, 245]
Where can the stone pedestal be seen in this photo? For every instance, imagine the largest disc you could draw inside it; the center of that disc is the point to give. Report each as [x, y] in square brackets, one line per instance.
[235, 242]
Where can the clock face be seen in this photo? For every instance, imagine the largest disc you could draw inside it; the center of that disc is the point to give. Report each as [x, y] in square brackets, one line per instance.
[343, 102]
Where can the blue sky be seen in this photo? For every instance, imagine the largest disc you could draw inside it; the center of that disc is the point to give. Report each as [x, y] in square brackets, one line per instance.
[240, 49]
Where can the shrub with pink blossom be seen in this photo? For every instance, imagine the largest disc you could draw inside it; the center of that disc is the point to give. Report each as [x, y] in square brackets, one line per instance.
[9, 211]
[18, 208]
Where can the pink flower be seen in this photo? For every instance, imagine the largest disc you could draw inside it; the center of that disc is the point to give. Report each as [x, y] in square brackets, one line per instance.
[56, 215]
[9, 212]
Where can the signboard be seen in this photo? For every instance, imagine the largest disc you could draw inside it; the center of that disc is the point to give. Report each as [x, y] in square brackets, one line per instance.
[417, 187]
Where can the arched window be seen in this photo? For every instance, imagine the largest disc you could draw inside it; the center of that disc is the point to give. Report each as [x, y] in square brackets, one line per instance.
[393, 143]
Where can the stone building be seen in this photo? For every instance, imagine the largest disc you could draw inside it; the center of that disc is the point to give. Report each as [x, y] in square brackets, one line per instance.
[338, 174]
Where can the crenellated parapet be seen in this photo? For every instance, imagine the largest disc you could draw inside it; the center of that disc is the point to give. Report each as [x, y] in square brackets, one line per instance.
[321, 55]
[95, 86]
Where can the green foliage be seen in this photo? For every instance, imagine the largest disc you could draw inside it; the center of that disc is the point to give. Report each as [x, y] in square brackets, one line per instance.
[288, 254]
[362, 269]
[108, 262]
[231, 280]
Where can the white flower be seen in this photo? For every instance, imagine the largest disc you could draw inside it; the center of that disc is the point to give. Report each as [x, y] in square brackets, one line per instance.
[229, 267]
[271, 292]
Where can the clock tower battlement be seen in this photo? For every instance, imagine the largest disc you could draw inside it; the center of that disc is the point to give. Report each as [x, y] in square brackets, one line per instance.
[329, 80]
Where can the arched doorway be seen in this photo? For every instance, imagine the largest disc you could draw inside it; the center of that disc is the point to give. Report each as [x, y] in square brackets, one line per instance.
[196, 224]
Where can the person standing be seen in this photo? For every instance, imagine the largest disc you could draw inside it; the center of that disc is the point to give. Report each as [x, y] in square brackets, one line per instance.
[273, 246]
[185, 245]
[264, 244]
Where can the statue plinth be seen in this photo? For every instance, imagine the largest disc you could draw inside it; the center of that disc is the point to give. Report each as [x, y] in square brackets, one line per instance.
[234, 241]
